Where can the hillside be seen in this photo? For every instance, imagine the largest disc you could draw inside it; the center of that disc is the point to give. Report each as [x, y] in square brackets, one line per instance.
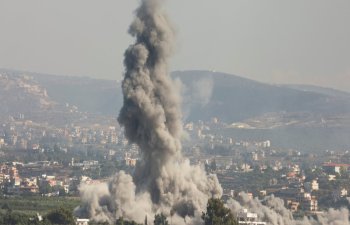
[22, 95]
[291, 116]
[320, 90]
[89, 95]
[205, 95]
[232, 98]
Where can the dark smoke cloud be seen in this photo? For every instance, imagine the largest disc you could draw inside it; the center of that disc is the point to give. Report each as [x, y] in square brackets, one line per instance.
[163, 181]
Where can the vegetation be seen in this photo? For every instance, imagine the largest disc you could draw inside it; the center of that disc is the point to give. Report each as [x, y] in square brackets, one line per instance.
[12, 214]
[60, 216]
[121, 221]
[35, 204]
[218, 214]
[98, 223]
[160, 219]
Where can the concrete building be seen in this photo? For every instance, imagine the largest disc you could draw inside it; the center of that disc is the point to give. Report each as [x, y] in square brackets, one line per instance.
[312, 186]
[310, 204]
[248, 218]
[333, 168]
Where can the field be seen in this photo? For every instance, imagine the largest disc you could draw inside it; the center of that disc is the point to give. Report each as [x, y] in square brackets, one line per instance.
[33, 205]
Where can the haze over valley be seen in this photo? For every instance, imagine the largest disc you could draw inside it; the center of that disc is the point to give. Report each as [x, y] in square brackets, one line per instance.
[308, 117]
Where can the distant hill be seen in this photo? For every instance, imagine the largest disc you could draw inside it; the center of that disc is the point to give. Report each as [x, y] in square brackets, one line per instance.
[89, 95]
[232, 98]
[21, 95]
[320, 90]
[205, 95]
[304, 117]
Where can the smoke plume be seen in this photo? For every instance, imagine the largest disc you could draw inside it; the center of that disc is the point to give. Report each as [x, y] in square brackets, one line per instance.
[196, 95]
[272, 211]
[163, 181]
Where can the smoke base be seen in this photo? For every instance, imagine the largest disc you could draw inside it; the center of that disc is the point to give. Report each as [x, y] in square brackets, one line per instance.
[163, 181]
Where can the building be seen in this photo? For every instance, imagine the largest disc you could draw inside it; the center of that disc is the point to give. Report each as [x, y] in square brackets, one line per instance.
[2, 178]
[309, 204]
[312, 186]
[2, 142]
[245, 217]
[293, 205]
[332, 168]
[13, 172]
[79, 221]
[130, 162]
[90, 164]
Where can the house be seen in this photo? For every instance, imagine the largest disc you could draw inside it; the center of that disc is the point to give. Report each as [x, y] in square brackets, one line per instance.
[312, 186]
[293, 205]
[309, 204]
[335, 168]
[79, 221]
[245, 217]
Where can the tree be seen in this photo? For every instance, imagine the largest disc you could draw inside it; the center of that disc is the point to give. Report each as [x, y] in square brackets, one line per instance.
[213, 166]
[343, 172]
[11, 218]
[160, 219]
[218, 214]
[108, 168]
[15, 218]
[6, 207]
[98, 223]
[45, 188]
[61, 216]
[121, 221]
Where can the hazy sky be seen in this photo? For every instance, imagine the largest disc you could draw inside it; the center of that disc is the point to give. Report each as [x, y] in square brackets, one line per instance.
[289, 41]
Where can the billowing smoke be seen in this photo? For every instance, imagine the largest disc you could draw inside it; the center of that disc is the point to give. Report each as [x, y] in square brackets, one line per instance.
[202, 90]
[163, 181]
[272, 211]
[196, 95]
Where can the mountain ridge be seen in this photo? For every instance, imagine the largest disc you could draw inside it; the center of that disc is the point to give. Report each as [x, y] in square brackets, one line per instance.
[234, 98]
[206, 94]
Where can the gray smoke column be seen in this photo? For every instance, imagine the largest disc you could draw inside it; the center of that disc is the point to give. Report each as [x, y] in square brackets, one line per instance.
[150, 113]
[163, 181]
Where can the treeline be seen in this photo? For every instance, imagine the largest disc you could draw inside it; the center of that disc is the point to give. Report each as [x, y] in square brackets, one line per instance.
[216, 214]
[61, 215]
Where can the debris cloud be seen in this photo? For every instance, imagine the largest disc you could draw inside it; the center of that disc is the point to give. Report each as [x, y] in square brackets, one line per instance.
[163, 181]
[272, 211]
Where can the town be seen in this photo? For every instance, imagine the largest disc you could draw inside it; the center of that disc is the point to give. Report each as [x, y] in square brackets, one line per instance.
[42, 160]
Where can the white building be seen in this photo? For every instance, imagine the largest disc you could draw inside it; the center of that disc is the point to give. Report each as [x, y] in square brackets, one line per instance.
[245, 217]
[312, 186]
[82, 221]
